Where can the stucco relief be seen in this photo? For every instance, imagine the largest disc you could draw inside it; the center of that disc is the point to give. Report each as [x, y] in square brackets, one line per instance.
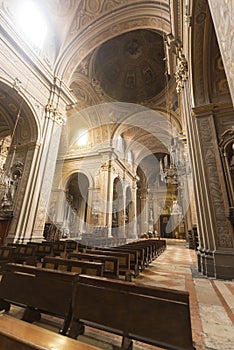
[89, 10]
[224, 238]
[225, 34]
[181, 73]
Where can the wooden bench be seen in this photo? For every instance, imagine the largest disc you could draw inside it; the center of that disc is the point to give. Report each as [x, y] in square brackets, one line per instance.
[42, 249]
[6, 256]
[111, 263]
[19, 335]
[73, 265]
[25, 253]
[71, 246]
[140, 252]
[134, 264]
[124, 260]
[148, 250]
[38, 290]
[58, 248]
[157, 316]
[146, 254]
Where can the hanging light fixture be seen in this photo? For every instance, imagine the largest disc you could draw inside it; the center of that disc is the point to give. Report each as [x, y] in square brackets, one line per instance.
[168, 166]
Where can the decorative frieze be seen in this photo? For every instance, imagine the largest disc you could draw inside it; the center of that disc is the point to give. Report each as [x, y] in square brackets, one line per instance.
[181, 73]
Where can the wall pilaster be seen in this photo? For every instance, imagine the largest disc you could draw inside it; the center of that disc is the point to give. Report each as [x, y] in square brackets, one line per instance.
[52, 131]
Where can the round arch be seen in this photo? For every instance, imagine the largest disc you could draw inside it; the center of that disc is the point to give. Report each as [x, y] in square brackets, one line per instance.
[76, 206]
[122, 20]
[19, 123]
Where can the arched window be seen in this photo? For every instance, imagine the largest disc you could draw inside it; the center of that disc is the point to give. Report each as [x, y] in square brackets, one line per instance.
[82, 138]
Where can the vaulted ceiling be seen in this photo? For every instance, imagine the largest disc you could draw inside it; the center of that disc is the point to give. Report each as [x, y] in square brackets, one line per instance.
[111, 51]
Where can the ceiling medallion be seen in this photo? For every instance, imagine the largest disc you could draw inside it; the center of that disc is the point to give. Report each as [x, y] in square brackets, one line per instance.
[133, 49]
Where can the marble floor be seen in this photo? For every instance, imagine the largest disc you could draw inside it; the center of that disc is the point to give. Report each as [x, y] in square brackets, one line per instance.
[211, 302]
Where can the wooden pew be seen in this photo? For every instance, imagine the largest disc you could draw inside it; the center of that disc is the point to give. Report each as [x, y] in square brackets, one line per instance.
[140, 252]
[111, 263]
[71, 246]
[73, 265]
[19, 335]
[124, 260]
[134, 264]
[38, 290]
[58, 248]
[23, 253]
[157, 316]
[6, 256]
[148, 250]
[42, 249]
[156, 246]
[146, 253]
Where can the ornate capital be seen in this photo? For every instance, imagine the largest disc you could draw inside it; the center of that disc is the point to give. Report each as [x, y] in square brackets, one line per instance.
[181, 73]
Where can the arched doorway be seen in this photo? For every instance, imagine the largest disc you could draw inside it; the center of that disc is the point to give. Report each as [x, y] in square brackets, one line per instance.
[76, 207]
[18, 148]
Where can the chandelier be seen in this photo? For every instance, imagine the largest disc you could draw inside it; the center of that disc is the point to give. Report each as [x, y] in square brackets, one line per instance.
[168, 168]
[173, 165]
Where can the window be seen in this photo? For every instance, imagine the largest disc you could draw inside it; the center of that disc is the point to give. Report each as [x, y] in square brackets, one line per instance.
[31, 22]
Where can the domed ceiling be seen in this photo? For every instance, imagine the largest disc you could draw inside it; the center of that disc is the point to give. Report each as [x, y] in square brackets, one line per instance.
[130, 67]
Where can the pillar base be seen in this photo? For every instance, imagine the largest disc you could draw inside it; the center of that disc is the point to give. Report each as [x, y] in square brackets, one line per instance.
[199, 261]
[224, 264]
[217, 264]
[209, 259]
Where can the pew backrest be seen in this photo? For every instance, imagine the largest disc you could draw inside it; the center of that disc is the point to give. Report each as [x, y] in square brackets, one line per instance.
[160, 317]
[73, 265]
[111, 263]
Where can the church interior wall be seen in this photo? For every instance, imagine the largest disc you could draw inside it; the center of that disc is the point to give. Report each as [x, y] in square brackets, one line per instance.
[60, 91]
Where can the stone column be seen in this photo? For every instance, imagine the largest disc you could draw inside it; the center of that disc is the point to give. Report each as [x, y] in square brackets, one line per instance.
[121, 222]
[220, 257]
[89, 210]
[133, 213]
[106, 196]
[216, 253]
[197, 175]
[144, 211]
[51, 138]
[22, 221]
[81, 217]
